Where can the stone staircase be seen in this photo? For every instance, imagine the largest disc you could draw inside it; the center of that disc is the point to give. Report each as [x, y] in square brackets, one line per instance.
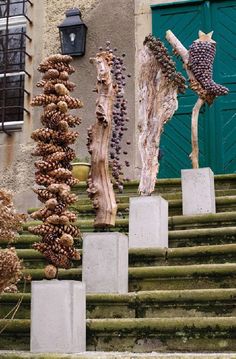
[181, 299]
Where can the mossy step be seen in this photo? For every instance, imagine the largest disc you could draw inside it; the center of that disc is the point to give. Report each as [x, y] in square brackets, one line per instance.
[115, 355]
[144, 304]
[162, 334]
[162, 277]
[177, 238]
[183, 222]
[166, 184]
[153, 256]
[84, 206]
[168, 195]
[183, 255]
[85, 209]
[182, 277]
[142, 335]
[202, 236]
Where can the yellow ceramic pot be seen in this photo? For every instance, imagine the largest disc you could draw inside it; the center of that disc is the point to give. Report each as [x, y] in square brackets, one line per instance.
[81, 170]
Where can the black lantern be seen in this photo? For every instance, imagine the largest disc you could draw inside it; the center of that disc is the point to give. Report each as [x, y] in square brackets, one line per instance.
[73, 34]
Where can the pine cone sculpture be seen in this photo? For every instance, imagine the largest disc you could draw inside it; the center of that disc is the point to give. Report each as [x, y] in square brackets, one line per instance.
[10, 222]
[168, 66]
[53, 173]
[201, 57]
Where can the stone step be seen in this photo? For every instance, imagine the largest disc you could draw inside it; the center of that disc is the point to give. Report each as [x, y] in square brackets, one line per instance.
[223, 204]
[200, 276]
[143, 304]
[83, 207]
[202, 236]
[168, 185]
[174, 277]
[115, 355]
[224, 253]
[141, 334]
[153, 256]
[175, 222]
[177, 238]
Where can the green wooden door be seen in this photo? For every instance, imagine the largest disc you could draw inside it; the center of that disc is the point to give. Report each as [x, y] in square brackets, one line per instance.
[217, 124]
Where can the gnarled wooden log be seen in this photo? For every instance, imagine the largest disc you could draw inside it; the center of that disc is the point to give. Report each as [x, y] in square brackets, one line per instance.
[100, 188]
[158, 90]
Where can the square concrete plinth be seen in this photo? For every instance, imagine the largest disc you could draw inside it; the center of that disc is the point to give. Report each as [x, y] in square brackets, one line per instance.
[198, 191]
[148, 222]
[105, 262]
[58, 316]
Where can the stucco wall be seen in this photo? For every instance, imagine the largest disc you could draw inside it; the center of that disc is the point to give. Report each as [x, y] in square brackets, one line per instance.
[54, 15]
[106, 20]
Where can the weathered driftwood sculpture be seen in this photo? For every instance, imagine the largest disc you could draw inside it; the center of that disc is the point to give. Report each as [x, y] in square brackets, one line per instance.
[104, 137]
[198, 63]
[54, 169]
[10, 223]
[159, 85]
[100, 188]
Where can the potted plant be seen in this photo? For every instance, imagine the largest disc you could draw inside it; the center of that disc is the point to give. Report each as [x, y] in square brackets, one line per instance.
[81, 168]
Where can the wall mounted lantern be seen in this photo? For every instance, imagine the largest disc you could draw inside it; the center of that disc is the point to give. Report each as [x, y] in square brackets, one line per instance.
[73, 34]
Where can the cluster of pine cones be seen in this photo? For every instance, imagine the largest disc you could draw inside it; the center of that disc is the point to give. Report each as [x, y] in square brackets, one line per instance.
[54, 168]
[10, 222]
[201, 58]
[168, 67]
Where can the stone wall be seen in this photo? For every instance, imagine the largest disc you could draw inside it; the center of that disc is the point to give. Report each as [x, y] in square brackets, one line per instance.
[106, 20]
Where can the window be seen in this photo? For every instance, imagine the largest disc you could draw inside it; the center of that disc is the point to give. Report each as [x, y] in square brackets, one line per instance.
[13, 20]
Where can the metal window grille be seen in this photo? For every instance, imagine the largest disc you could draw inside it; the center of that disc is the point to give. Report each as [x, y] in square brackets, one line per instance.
[13, 20]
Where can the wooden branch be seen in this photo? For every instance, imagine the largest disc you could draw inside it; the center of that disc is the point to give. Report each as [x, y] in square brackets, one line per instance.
[100, 188]
[177, 46]
[157, 104]
[195, 150]
[183, 53]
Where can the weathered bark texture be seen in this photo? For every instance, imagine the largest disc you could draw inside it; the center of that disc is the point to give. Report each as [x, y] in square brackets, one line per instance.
[157, 104]
[100, 188]
[195, 149]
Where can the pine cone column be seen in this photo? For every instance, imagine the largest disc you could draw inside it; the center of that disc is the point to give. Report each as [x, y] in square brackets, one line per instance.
[53, 174]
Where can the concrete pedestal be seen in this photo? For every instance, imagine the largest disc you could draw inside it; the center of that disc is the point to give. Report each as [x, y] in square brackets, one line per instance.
[148, 222]
[198, 191]
[58, 316]
[105, 262]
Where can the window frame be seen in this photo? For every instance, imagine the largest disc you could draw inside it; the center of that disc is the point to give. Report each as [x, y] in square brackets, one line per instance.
[8, 23]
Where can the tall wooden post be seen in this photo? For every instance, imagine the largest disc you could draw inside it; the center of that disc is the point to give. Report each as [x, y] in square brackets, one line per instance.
[100, 187]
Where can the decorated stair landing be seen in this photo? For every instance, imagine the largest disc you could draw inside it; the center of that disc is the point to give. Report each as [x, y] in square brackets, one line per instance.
[180, 299]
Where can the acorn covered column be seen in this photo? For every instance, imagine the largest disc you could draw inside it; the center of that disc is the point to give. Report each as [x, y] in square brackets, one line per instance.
[198, 190]
[61, 328]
